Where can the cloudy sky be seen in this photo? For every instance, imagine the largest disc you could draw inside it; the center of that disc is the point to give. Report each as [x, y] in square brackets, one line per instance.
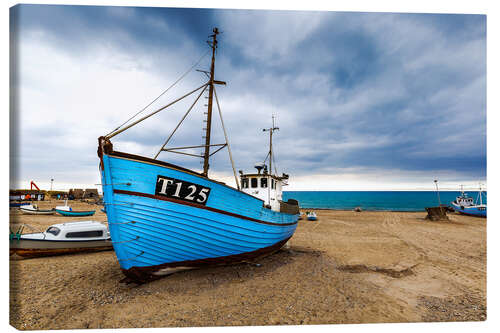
[363, 100]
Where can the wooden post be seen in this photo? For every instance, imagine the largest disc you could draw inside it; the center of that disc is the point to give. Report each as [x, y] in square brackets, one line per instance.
[439, 200]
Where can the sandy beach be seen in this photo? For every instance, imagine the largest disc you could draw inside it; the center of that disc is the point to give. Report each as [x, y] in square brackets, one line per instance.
[347, 267]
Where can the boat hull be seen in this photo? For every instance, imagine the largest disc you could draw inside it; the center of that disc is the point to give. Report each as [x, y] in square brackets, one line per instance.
[479, 211]
[73, 213]
[36, 212]
[18, 204]
[153, 232]
[32, 248]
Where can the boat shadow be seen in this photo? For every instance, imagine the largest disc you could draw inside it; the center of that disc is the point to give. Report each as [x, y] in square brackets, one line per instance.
[213, 277]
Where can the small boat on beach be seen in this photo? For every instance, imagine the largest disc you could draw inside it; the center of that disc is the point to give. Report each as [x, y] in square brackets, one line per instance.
[464, 204]
[34, 210]
[65, 207]
[163, 217]
[75, 213]
[64, 238]
[18, 204]
[311, 216]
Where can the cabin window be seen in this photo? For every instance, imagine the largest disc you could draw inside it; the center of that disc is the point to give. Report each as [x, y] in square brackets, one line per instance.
[84, 234]
[273, 184]
[244, 183]
[54, 231]
[263, 182]
[253, 182]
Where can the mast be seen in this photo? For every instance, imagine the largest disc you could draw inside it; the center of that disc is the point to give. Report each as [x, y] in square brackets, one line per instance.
[480, 197]
[206, 155]
[271, 130]
[270, 174]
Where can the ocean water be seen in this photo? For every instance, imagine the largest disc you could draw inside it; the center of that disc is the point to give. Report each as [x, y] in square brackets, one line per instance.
[375, 200]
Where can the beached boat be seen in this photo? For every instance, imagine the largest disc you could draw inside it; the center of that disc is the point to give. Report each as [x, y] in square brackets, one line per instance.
[75, 213]
[311, 216]
[163, 217]
[18, 204]
[65, 207]
[465, 205]
[34, 210]
[64, 238]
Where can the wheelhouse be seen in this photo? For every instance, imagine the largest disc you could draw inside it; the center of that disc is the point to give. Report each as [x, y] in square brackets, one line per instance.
[464, 200]
[265, 186]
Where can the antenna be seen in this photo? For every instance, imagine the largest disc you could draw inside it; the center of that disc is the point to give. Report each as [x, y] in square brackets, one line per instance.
[271, 130]
[270, 154]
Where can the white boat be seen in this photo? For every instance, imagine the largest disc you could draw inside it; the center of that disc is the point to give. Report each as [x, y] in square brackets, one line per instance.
[34, 210]
[65, 208]
[63, 238]
[311, 216]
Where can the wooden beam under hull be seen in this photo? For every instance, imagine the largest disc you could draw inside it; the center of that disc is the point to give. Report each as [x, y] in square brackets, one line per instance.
[35, 253]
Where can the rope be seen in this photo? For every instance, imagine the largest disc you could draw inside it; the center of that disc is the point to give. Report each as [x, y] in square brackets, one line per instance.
[173, 84]
[227, 141]
[126, 241]
[128, 259]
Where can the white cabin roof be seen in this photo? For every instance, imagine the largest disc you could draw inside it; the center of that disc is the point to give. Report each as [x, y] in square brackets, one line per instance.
[80, 225]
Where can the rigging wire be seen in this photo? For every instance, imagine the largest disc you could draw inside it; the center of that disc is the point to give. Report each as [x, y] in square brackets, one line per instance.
[227, 140]
[172, 85]
[274, 161]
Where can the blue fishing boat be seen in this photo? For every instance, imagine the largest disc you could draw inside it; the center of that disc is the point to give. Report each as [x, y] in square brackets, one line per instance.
[164, 218]
[465, 205]
[75, 213]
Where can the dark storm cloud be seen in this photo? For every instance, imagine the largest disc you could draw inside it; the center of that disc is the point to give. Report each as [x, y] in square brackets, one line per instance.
[350, 90]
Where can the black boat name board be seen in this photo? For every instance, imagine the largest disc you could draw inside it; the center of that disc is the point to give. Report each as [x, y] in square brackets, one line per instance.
[181, 190]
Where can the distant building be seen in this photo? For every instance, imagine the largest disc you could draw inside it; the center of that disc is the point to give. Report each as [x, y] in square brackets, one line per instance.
[75, 193]
[26, 195]
[91, 193]
[59, 195]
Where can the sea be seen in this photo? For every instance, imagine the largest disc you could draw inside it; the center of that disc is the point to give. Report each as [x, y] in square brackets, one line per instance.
[407, 201]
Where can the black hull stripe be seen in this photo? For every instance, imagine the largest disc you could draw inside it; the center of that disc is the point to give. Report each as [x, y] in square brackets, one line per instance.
[157, 197]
